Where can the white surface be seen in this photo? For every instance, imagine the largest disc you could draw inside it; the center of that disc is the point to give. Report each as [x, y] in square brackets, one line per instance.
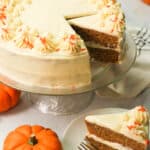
[76, 132]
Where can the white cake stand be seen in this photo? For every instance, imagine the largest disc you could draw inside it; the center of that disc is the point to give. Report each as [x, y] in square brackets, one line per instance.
[67, 101]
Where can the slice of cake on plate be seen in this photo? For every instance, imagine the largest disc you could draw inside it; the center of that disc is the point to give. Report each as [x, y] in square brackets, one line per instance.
[119, 131]
[104, 32]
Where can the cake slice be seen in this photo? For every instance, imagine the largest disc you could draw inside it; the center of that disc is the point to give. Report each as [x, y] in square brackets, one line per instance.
[103, 32]
[122, 131]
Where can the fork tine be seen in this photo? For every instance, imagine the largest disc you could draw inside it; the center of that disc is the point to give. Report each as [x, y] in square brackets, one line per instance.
[79, 148]
[88, 146]
[85, 146]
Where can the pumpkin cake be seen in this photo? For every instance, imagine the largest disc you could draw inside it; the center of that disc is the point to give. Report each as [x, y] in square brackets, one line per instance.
[121, 131]
[41, 47]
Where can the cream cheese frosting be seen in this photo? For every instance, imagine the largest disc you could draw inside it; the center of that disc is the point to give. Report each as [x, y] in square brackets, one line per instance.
[110, 144]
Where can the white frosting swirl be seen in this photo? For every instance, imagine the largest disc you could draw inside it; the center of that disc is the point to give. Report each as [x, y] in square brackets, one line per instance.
[112, 18]
[23, 38]
[45, 43]
[140, 115]
[71, 43]
[135, 123]
[101, 3]
[4, 2]
[6, 34]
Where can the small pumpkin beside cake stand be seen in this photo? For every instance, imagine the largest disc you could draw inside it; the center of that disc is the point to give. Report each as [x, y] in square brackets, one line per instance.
[68, 101]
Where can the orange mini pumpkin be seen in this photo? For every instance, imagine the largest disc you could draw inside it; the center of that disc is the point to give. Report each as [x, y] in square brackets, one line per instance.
[9, 97]
[147, 1]
[32, 138]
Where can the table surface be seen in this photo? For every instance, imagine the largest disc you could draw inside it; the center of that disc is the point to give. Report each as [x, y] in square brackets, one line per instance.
[137, 14]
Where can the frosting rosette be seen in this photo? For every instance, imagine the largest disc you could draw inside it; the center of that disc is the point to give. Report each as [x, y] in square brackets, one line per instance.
[136, 121]
[71, 43]
[140, 114]
[112, 18]
[45, 43]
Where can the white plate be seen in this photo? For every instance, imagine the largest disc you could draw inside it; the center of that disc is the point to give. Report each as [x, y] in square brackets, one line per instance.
[76, 131]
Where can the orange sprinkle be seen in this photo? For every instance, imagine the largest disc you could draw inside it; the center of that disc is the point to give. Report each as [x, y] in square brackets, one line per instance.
[72, 37]
[3, 8]
[131, 127]
[57, 49]
[2, 16]
[83, 49]
[137, 123]
[142, 109]
[43, 40]
[28, 44]
[5, 30]
[147, 142]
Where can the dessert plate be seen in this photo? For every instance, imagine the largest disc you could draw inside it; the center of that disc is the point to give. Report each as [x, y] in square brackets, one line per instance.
[76, 131]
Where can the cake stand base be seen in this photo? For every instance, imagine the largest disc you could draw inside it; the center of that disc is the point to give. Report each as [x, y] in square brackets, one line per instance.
[61, 105]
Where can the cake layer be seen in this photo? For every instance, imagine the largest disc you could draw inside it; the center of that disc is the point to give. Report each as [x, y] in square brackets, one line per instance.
[104, 55]
[101, 144]
[52, 71]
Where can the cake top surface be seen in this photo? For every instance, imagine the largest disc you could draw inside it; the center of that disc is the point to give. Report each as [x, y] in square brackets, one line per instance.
[40, 25]
[133, 123]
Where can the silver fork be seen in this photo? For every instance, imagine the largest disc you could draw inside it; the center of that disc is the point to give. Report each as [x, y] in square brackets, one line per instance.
[142, 39]
[85, 146]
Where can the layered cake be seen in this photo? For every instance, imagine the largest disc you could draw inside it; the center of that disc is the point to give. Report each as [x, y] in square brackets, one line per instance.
[40, 47]
[122, 131]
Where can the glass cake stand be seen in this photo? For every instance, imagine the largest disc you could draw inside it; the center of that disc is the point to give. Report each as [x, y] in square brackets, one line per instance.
[67, 101]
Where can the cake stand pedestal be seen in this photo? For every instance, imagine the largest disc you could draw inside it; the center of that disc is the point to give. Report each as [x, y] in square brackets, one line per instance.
[60, 105]
[68, 101]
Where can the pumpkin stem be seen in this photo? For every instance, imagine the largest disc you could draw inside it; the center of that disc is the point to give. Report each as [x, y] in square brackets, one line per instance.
[33, 141]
